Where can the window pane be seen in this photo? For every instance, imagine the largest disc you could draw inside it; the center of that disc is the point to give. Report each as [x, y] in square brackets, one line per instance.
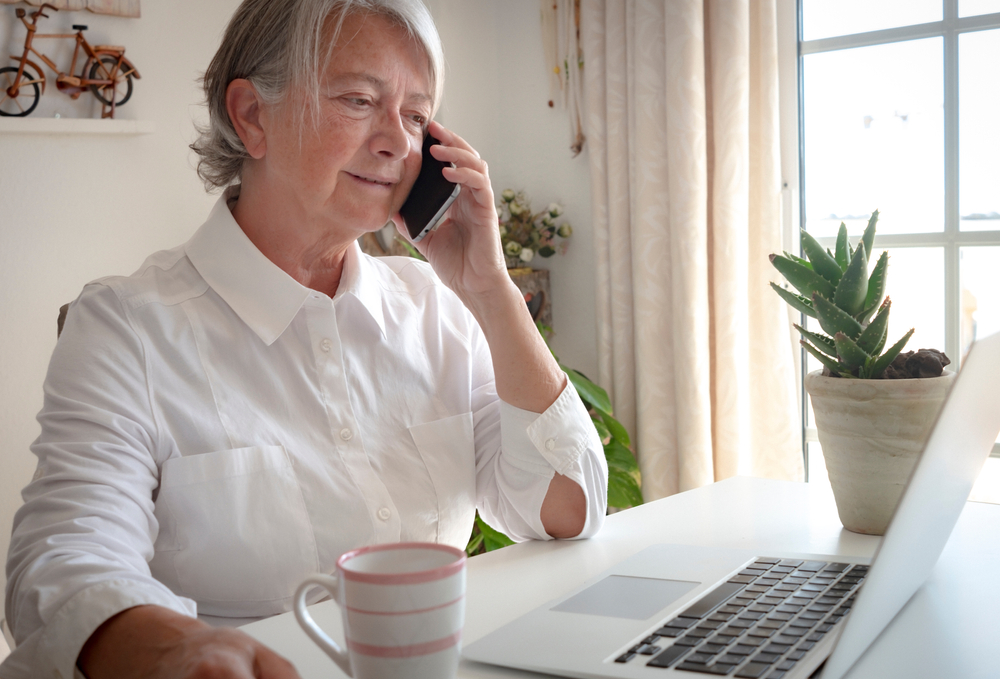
[874, 138]
[980, 276]
[916, 286]
[826, 18]
[968, 8]
[979, 145]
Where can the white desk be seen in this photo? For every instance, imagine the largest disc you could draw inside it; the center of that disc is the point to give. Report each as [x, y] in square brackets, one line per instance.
[762, 515]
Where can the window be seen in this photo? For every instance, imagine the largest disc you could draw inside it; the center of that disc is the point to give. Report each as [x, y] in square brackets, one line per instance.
[897, 104]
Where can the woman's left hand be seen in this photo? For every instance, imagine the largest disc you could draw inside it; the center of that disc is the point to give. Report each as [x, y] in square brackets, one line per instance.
[465, 249]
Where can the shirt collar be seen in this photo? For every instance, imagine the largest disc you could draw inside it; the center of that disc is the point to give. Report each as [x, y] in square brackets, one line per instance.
[262, 295]
[359, 279]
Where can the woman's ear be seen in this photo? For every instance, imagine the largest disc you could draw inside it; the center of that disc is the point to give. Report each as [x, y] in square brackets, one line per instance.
[244, 107]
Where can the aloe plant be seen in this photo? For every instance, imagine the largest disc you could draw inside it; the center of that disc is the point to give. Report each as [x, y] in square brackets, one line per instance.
[836, 289]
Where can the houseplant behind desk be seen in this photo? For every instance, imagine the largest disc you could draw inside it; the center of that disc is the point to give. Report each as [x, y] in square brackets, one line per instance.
[874, 407]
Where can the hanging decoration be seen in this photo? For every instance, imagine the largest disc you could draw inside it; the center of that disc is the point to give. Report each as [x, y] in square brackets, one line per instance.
[122, 8]
[564, 62]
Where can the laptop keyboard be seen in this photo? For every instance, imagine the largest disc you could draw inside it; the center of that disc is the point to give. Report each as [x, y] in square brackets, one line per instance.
[759, 624]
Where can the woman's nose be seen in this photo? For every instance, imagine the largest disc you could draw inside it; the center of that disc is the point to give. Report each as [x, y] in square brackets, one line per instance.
[391, 139]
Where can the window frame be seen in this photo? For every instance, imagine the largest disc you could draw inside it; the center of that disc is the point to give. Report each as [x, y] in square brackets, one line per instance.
[791, 53]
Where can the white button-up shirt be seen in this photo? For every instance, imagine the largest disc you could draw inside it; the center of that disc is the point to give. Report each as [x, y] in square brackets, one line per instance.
[213, 432]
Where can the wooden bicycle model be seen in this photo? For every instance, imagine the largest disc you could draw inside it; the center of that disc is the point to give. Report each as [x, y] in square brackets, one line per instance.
[106, 73]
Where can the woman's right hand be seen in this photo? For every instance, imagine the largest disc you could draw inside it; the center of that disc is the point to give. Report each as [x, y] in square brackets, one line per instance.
[152, 642]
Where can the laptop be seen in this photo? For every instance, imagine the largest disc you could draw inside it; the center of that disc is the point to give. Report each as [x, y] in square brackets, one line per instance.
[691, 611]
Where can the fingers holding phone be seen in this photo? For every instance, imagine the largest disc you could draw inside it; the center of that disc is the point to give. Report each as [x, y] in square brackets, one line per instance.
[465, 252]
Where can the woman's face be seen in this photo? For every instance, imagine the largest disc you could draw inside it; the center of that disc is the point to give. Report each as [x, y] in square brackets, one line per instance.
[351, 173]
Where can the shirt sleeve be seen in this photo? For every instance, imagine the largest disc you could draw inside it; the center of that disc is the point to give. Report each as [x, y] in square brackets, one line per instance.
[82, 540]
[511, 484]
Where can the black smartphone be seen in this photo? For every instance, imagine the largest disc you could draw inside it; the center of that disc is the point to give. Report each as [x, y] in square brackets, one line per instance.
[430, 196]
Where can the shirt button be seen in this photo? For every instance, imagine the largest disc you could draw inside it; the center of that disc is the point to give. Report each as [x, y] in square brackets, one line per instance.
[550, 444]
[326, 345]
[384, 513]
[346, 434]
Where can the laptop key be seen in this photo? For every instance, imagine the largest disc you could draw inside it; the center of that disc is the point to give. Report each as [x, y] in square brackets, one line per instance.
[649, 649]
[705, 669]
[671, 632]
[625, 657]
[731, 659]
[707, 603]
[753, 670]
[688, 641]
[702, 658]
[668, 657]
[778, 649]
[766, 658]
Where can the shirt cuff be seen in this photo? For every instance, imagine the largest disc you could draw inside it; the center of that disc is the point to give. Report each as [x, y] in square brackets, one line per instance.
[87, 610]
[552, 440]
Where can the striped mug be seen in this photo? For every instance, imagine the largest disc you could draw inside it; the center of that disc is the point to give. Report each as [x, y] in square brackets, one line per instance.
[403, 607]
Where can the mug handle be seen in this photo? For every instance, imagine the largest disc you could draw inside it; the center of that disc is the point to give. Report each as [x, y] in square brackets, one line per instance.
[330, 583]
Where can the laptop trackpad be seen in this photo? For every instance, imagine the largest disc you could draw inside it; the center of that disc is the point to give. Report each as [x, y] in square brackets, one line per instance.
[619, 596]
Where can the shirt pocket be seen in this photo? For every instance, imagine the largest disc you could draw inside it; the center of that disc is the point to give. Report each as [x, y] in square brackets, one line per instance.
[234, 531]
[448, 450]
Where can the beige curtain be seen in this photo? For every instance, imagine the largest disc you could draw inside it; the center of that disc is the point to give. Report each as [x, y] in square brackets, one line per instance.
[695, 349]
[124, 8]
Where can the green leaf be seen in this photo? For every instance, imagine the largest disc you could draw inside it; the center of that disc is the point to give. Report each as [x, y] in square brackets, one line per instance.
[804, 262]
[848, 350]
[618, 431]
[833, 319]
[889, 356]
[798, 302]
[868, 238]
[822, 342]
[410, 249]
[853, 286]
[822, 263]
[876, 282]
[843, 255]
[833, 365]
[602, 429]
[804, 280]
[474, 543]
[493, 539]
[873, 337]
[620, 457]
[623, 490]
[592, 394]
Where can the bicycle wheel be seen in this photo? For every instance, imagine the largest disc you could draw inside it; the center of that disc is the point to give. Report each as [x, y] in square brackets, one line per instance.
[120, 91]
[26, 99]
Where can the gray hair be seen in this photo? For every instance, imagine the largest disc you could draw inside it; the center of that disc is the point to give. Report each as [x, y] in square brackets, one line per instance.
[278, 44]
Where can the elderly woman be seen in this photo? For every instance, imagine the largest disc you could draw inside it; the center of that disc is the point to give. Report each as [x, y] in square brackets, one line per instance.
[248, 406]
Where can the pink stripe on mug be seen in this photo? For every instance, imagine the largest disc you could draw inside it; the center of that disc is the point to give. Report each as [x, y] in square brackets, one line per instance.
[412, 612]
[411, 578]
[410, 651]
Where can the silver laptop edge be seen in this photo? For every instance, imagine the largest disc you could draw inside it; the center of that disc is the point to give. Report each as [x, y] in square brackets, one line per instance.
[959, 444]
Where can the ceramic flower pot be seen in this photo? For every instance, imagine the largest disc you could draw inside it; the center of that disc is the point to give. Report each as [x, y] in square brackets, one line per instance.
[872, 432]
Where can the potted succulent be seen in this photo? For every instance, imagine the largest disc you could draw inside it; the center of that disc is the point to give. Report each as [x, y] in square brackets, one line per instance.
[874, 406]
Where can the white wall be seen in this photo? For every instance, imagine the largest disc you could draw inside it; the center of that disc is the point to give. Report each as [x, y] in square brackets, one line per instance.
[74, 208]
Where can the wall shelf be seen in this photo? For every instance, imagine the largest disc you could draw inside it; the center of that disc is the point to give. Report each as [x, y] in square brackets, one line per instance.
[88, 126]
